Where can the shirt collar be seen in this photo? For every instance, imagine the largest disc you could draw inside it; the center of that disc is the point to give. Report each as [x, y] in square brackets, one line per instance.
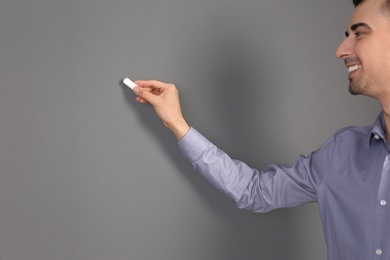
[378, 129]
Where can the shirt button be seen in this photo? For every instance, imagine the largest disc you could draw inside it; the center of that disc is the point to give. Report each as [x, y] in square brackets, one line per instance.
[376, 137]
[383, 202]
[378, 252]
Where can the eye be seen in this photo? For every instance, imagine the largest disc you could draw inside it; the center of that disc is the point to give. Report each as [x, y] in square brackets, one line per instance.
[357, 34]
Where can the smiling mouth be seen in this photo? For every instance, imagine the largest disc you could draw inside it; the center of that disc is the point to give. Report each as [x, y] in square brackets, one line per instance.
[353, 69]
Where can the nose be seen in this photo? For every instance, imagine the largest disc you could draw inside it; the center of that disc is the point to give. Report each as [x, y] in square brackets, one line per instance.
[345, 48]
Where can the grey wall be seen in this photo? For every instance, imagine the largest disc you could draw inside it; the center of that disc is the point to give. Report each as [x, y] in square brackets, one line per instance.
[88, 173]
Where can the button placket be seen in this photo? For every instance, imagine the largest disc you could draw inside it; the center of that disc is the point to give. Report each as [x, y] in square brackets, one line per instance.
[381, 214]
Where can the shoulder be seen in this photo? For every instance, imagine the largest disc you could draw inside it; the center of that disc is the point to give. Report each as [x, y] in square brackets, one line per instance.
[346, 139]
[353, 132]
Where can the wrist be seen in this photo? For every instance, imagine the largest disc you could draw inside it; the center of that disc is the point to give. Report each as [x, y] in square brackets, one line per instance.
[179, 129]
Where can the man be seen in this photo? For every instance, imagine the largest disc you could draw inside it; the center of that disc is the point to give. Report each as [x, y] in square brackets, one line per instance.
[349, 176]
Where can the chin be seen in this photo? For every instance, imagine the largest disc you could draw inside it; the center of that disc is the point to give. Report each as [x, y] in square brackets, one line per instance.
[355, 89]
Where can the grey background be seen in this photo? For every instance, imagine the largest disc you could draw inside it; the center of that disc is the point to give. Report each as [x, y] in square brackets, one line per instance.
[88, 173]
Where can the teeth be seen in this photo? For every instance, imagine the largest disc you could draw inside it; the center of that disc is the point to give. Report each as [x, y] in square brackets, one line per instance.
[353, 68]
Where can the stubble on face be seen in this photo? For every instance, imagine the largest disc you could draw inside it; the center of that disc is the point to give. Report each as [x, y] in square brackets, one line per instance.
[356, 85]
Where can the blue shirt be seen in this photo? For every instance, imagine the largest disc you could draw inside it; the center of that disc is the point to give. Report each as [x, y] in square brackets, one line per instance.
[349, 178]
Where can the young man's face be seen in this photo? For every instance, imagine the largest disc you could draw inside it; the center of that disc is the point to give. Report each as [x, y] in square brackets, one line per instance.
[366, 50]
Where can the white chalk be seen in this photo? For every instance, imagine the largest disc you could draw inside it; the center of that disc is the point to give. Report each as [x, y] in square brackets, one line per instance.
[129, 83]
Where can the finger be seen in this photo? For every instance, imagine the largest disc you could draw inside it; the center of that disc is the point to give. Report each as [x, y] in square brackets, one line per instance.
[145, 95]
[151, 84]
[141, 100]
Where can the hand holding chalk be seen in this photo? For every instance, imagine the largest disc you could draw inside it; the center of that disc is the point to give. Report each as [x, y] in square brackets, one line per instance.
[164, 98]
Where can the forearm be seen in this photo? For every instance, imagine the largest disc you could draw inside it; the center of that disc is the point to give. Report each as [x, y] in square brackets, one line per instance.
[229, 176]
[253, 190]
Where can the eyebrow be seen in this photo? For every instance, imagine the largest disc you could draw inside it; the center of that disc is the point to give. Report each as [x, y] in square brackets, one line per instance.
[357, 25]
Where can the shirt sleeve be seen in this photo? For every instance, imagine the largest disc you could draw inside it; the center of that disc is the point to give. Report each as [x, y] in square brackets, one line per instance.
[278, 186]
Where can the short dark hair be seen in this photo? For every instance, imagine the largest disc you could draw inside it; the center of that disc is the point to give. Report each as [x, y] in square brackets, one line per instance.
[385, 5]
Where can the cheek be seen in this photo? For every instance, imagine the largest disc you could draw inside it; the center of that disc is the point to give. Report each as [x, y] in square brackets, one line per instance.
[382, 52]
[383, 60]
[374, 57]
[378, 65]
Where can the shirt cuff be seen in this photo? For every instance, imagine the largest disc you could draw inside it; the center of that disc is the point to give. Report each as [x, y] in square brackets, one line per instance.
[193, 145]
